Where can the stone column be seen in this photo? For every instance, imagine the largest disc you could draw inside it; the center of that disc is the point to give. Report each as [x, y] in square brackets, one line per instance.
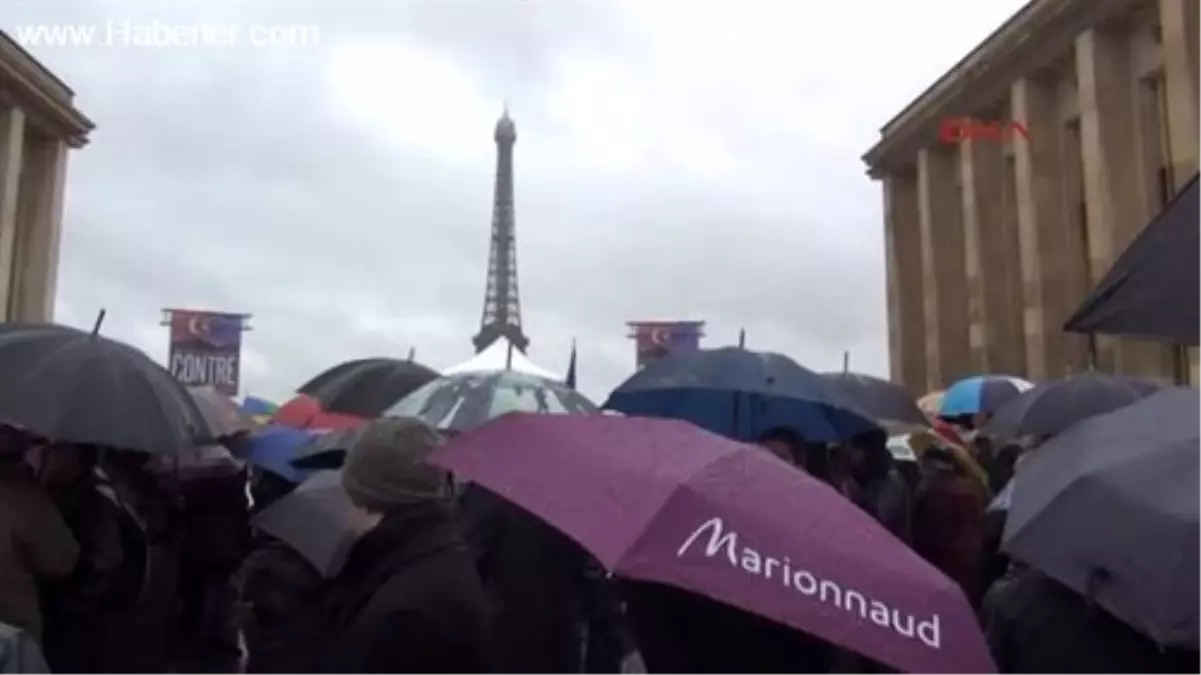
[41, 214]
[944, 269]
[906, 319]
[1180, 23]
[12, 144]
[1112, 178]
[993, 259]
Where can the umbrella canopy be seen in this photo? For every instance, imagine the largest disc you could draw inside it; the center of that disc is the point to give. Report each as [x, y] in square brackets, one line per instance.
[1151, 291]
[501, 355]
[366, 387]
[1052, 406]
[931, 403]
[223, 417]
[314, 519]
[741, 394]
[273, 448]
[664, 501]
[980, 394]
[75, 387]
[887, 402]
[1110, 508]
[306, 412]
[328, 451]
[465, 401]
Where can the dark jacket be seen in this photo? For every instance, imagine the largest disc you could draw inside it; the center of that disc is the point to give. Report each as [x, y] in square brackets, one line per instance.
[408, 600]
[886, 497]
[681, 632]
[550, 602]
[35, 545]
[278, 589]
[1036, 625]
[948, 524]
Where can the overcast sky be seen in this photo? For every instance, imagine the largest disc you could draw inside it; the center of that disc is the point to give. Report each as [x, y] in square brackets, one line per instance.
[677, 159]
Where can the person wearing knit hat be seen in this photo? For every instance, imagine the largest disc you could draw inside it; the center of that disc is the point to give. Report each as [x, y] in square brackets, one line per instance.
[408, 597]
[386, 468]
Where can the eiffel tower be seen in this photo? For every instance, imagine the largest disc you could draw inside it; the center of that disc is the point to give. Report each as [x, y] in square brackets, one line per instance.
[502, 308]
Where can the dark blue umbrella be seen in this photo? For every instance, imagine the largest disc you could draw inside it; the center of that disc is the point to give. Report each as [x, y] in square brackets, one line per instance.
[273, 448]
[980, 394]
[1050, 407]
[741, 394]
[887, 402]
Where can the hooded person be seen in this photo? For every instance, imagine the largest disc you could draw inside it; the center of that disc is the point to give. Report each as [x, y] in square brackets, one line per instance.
[408, 597]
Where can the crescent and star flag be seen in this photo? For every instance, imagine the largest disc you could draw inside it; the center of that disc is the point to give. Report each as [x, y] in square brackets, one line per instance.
[655, 339]
[206, 349]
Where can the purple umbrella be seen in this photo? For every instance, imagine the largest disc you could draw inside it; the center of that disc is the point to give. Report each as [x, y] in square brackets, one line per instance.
[665, 501]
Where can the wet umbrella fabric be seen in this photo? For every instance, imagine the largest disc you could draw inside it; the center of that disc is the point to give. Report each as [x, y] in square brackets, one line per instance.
[305, 412]
[665, 501]
[367, 387]
[223, 417]
[467, 400]
[314, 520]
[888, 403]
[1050, 407]
[273, 448]
[980, 394]
[327, 451]
[75, 387]
[1110, 508]
[741, 394]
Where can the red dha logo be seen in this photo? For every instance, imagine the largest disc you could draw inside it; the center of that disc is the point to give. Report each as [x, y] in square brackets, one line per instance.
[956, 130]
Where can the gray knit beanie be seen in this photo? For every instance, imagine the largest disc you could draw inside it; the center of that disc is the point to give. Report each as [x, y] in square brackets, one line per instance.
[386, 468]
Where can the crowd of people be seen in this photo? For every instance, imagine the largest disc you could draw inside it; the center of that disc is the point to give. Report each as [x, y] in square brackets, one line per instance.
[128, 562]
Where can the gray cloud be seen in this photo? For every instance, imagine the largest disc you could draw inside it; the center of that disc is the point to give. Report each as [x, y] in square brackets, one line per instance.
[248, 180]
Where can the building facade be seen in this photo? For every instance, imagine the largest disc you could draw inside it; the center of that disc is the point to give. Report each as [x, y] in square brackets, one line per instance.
[38, 126]
[1084, 123]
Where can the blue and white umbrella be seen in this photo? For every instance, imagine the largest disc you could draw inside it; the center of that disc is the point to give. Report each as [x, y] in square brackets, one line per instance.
[467, 400]
[980, 394]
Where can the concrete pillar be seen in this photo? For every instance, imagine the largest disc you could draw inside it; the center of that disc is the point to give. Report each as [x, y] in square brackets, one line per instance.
[1049, 263]
[906, 320]
[1112, 175]
[992, 259]
[944, 269]
[12, 144]
[1181, 51]
[40, 213]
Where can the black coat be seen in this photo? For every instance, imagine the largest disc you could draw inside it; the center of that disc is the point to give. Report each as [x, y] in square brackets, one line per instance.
[280, 592]
[1036, 625]
[549, 600]
[408, 600]
[681, 632]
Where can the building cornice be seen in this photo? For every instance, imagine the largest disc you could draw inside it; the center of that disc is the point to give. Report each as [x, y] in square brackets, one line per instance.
[45, 99]
[1032, 38]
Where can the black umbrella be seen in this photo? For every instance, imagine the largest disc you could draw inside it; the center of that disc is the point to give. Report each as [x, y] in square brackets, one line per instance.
[76, 387]
[223, 417]
[367, 387]
[1052, 406]
[1110, 508]
[889, 403]
[314, 519]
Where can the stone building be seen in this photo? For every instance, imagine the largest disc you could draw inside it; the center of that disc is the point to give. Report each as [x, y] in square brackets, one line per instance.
[1084, 124]
[38, 125]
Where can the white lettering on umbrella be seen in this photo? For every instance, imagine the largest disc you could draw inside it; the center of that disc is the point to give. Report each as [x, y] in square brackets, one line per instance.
[725, 543]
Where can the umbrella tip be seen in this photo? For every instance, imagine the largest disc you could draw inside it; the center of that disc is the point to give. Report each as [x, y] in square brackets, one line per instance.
[742, 338]
[412, 354]
[99, 321]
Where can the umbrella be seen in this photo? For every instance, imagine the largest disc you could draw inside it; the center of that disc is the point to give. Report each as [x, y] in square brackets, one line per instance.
[273, 448]
[887, 402]
[1110, 508]
[306, 412]
[930, 404]
[664, 501]
[314, 519]
[222, 416]
[467, 400]
[741, 394]
[259, 409]
[75, 387]
[980, 394]
[328, 451]
[366, 387]
[1050, 407]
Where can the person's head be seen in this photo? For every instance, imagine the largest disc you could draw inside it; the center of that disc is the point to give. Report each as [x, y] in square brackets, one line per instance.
[784, 443]
[867, 452]
[386, 470]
